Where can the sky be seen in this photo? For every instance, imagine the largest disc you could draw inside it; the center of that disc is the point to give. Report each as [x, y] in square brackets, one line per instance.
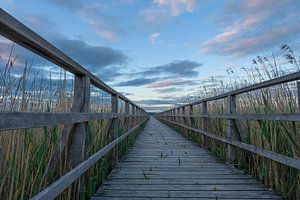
[157, 52]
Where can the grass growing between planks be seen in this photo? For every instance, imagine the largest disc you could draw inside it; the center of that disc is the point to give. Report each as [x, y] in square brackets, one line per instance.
[276, 136]
[25, 154]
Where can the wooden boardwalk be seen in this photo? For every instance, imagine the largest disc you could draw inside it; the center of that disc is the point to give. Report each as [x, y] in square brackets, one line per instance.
[163, 164]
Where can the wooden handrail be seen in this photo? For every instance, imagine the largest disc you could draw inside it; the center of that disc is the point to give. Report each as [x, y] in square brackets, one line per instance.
[20, 120]
[269, 117]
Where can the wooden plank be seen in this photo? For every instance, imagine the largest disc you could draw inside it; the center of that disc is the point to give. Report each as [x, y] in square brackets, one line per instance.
[116, 181]
[63, 182]
[175, 187]
[288, 161]
[188, 194]
[174, 198]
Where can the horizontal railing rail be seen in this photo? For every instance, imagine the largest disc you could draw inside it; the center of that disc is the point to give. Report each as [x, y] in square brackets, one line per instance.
[79, 114]
[270, 117]
[20, 120]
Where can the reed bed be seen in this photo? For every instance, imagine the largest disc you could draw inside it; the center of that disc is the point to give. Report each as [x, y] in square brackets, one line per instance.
[277, 136]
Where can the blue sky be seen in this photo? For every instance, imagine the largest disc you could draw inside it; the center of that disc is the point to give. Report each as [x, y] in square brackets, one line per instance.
[158, 51]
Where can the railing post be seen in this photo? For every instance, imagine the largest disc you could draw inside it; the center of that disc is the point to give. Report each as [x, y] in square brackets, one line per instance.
[298, 95]
[178, 117]
[139, 117]
[133, 117]
[231, 150]
[174, 115]
[184, 119]
[127, 118]
[78, 133]
[204, 122]
[114, 126]
[139, 113]
[192, 120]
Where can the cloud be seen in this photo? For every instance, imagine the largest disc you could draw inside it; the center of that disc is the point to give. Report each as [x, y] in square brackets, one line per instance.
[160, 104]
[36, 20]
[170, 82]
[155, 108]
[108, 74]
[105, 62]
[70, 5]
[126, 93]
[163, 10]
[105, 26]
[136, 82]
[8, 1]
[153, 37]
[155, 102]
[92, 56]
[254, 25]
[168, 90]
[172, 73]
[178, 68]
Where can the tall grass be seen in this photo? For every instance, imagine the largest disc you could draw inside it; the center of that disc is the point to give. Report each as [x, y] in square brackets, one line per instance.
[25, 154]
[277, 136]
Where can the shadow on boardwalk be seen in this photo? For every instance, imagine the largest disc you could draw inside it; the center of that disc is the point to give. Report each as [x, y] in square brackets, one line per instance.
[163, 164]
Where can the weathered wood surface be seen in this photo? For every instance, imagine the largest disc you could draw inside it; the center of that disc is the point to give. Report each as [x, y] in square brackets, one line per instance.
[163, 164]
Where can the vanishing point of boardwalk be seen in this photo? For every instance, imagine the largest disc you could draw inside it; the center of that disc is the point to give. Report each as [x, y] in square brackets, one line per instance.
[163, 164]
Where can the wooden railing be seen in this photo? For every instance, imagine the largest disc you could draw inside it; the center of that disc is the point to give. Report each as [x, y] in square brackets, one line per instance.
[178, 117]
[79, 114]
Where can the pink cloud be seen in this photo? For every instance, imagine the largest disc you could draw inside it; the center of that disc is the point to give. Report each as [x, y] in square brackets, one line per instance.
[163, 10]
[94, 18]
[255, 30]
[168, 83]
